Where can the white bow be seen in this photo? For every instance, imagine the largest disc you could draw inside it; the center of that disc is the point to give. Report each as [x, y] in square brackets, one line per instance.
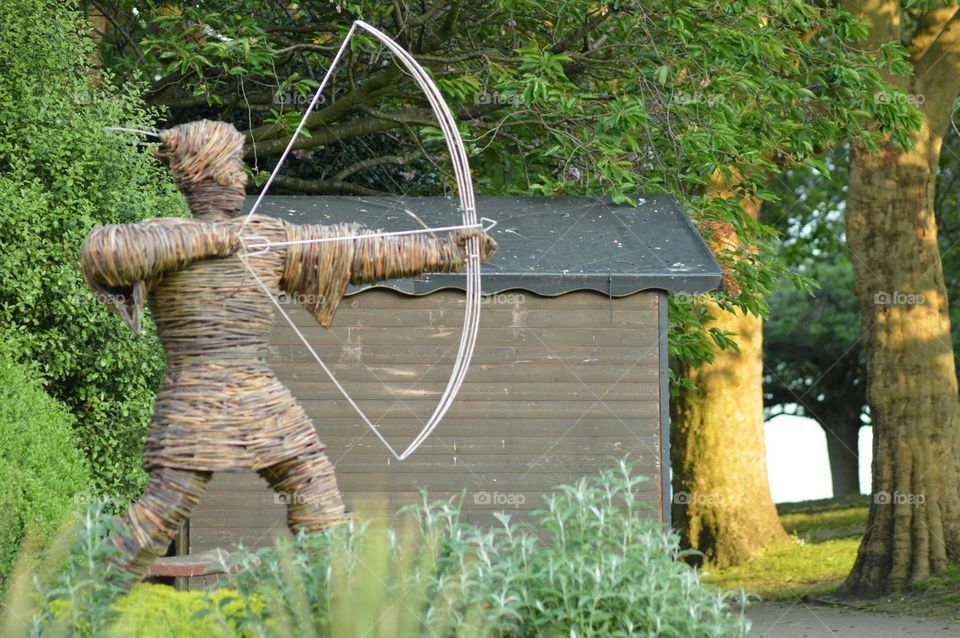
[461, 167]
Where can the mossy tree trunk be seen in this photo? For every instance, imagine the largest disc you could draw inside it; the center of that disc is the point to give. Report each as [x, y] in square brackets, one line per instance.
[913, 529]
[722, 504]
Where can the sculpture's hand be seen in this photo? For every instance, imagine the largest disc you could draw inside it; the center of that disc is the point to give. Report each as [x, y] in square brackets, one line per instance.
[488, 246]
[231, 242]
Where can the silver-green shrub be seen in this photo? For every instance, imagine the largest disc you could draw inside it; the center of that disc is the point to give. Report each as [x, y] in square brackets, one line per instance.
[594, 563]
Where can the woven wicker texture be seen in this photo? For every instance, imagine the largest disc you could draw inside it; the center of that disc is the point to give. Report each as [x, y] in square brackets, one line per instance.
[152, 521]
[220, 407]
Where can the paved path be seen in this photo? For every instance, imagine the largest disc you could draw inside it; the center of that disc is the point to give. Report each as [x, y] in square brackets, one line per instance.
[789, 620]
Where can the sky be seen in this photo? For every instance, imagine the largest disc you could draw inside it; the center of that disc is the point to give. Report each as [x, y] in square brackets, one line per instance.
[797, 459]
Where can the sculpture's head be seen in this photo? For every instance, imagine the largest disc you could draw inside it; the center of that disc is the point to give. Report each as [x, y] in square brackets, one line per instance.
[206, 160]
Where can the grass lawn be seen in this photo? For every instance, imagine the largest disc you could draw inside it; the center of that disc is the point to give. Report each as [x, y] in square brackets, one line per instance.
[824, 537]
[790, 571]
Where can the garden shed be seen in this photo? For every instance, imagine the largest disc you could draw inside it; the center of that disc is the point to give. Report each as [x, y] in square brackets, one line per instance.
[569, 372]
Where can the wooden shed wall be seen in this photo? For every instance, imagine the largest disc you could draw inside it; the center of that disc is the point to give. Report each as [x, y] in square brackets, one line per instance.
[559, 388]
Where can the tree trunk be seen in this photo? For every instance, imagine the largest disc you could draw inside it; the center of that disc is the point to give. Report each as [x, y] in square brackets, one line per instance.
[98, 26]
[914, 525]
[843, 433]
[722, 504]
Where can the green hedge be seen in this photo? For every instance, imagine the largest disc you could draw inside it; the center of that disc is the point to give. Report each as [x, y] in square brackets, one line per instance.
[61, 172]
[42, 470]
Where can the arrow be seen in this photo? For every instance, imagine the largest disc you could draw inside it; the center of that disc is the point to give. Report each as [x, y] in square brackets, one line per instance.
[261, 245]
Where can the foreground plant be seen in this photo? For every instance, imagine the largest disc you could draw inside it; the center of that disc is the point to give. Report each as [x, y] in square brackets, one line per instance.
[594, 563]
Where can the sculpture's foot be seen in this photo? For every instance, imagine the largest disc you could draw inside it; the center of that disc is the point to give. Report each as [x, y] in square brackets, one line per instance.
[150, 523]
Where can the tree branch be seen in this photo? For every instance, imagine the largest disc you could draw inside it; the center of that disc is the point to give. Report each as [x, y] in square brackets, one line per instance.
[305, 46]
[345, 131]
[399, 160]
[488, 54]
[331, 113]
[431, 43]
[402, 118]
[182, 100]
[423, 18]
[575, 37]
[323, 187]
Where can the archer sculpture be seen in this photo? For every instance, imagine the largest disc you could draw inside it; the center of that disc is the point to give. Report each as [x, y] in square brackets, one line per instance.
[220, 407]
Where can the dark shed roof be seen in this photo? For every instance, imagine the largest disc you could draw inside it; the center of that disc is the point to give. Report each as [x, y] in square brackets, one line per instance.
[547, 245]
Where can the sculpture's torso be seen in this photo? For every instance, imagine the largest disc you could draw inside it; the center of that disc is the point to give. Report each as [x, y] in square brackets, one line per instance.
[214, 309]
[219, 406]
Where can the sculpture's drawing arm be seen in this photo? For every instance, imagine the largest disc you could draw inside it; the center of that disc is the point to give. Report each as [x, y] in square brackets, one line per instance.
[118, 260]
[318, 272]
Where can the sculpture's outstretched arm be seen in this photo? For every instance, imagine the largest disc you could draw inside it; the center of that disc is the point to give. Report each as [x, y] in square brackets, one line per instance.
[117, 260]
[318, 272]
[379, 258]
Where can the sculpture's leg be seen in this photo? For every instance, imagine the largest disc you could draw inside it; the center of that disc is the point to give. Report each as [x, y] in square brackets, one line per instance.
[151, 522]
[309, 488]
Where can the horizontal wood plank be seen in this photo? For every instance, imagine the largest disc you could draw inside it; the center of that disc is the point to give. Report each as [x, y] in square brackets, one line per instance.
[407, 408]
[517, 337]
[472, 390]
[573, 355]
[554, 372]
[466, 447]
[494, 429]
[491, 317]
[580, 299]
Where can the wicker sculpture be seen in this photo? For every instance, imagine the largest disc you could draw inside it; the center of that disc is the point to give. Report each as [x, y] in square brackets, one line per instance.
[220, 407]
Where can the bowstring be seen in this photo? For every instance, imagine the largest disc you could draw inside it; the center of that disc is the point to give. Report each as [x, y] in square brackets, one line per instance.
[303, 122]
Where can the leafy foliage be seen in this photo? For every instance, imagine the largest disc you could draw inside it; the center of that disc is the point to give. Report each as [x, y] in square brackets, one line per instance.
[812, 344]
[41, 467]
[60, 172]
[691, 98]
